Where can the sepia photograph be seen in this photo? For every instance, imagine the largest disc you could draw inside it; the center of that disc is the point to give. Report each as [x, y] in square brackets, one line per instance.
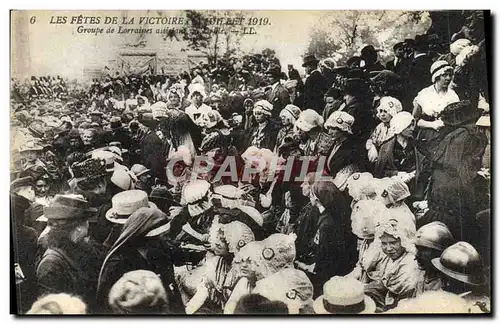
[250, 162]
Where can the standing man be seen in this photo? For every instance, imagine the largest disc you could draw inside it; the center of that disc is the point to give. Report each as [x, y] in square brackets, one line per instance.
[398, 63]
[151, 148]
[277, 94]
[315, 85]
[370, 56]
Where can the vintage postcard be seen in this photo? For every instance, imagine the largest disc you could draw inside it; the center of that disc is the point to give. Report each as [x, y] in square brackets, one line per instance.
[250, 162]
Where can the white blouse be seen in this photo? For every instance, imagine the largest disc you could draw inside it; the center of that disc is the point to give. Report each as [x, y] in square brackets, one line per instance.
[432, 102]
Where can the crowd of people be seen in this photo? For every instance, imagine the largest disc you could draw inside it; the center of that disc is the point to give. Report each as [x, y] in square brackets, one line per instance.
[238, 188]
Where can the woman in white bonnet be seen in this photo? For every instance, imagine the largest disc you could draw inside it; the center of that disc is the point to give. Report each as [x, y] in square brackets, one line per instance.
[365, 215]
[290, 286]
[259, 260]
[392, 192]
[397, 156]
[387, 109]
[220, 278]
[400, 273]
[288, 116]
[362, 186]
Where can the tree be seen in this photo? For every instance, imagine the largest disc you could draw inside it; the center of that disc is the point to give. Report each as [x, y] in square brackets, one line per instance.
[213, 32]
[342, 34]
[321, 44]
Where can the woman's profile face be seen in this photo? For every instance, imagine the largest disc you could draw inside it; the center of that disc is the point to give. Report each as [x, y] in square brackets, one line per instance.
[219, 245]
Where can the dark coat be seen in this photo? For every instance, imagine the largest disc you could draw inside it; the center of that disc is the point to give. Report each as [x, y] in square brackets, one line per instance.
[306, 227]
[24, 243]
[336, 252]
[401, 67]
[364, 119]
[70, 268]
[153, 254]
[419, 77]
[279, 98]
[314, 89]
[452, 194]
[119, 135]
[268, 140]
[377, 66]
[388, 164]
[152, 155]
[348, 153]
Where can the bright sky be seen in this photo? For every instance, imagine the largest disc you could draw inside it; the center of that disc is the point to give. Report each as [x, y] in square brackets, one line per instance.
[44, 48]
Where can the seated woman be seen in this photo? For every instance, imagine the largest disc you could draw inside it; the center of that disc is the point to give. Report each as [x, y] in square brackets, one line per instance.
[219, 279]
[362, 186]
[387, 109]
[288, 116]
[365, 215]
[179, 170]
[308, 130]
[397, 155]
[334, 243]
[400, 274]
[343, 158]
[259, 260]
[392, 192]
[192, 222]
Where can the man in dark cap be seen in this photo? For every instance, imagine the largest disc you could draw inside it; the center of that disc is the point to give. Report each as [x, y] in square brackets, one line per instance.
[370, 57]
[397, 64]
[118, 133]
[151, 149]
[419, 75]
[276, 94]
[315, 85]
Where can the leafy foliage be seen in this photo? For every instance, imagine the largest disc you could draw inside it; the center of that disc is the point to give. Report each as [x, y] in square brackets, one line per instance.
[342, 34]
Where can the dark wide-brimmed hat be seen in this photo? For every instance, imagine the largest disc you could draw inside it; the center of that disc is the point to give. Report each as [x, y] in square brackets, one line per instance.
[310, 60]
[274, 70]
[368, 50]
[459, 113]
[68, 207]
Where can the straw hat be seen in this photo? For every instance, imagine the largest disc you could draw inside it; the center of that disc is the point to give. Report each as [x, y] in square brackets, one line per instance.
[139, 169]
[125, 203]
[343, 295]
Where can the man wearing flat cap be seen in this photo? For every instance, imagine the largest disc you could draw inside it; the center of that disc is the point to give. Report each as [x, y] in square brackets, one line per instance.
[315, 85]
[277, 94]
[399, 62]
